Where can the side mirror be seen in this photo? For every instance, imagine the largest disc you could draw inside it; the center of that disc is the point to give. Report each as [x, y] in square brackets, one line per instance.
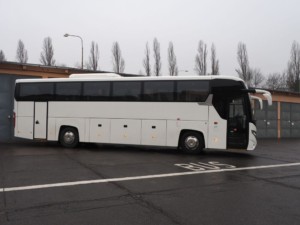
[266, 94]
[259, 100]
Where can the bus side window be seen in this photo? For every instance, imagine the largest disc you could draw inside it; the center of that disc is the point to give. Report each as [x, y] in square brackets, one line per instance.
[155, 91]
[126, 91]
[96, 91]
[36, 91]
[148, 95]
[192, 91]
[68, 91]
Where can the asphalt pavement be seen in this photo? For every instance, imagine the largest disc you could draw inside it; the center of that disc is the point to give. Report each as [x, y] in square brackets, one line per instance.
[44, 183]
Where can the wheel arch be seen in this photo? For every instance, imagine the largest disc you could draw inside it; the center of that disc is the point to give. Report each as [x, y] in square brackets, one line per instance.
[71, 126]
[183, 131]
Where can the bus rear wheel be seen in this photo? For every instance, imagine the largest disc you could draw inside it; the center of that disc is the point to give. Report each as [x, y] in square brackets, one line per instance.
[68, 137]
[191, 142]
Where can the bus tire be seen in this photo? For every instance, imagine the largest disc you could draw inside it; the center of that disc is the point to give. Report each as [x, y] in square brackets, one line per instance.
[191, 142]
[69, 137]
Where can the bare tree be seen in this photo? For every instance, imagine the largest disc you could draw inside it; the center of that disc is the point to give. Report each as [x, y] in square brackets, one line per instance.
[94, 57]
[157, 60]
[118, 61]
[47, 53]
[256, 77]
[276, 81]
[242, 58]
[21, 56]
[2, 56]
[293, 71]
[200, 59]
[214, 61]
[173, 69]
[146, 61]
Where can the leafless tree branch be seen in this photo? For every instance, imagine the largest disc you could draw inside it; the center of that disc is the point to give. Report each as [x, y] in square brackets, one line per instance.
[146, 61]
[276, 81]
[21, 56]
[256, 77]
[173, 69]
[214, 61]
[2, 56]
[94, 56]
[157, 60]
[118, 61]
[293, 71]
[242, 58]
[47, 53]
[200, 59]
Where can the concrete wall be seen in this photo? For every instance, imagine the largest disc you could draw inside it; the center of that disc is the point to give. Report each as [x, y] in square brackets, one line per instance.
[7, 84]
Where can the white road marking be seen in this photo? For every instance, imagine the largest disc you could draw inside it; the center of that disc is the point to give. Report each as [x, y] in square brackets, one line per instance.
[75, 183]
[199, 166]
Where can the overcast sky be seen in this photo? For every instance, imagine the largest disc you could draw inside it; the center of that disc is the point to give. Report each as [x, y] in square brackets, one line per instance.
[267, 27]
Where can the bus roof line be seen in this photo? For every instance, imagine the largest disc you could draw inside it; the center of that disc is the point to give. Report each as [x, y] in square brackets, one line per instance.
[111, 77]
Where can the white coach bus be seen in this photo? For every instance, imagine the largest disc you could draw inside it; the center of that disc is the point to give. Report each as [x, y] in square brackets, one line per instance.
[191, 113]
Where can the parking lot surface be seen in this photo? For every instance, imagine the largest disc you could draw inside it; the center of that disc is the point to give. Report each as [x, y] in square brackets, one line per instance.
[43, 183]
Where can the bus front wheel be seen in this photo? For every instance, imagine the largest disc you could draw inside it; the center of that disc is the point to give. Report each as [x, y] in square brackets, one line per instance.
[68, 137]
[191, 142]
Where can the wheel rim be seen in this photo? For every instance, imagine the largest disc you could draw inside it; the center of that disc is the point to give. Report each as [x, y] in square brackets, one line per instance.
[191, 142]
[69, 137]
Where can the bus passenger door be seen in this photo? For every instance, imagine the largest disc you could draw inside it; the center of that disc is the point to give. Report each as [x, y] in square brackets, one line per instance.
[237, 128]
[40, 120]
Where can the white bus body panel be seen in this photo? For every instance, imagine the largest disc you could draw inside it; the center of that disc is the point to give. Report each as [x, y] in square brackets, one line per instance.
[52, 132]
[217, 131]
[24, 119]
[168, 118]
[40, 120]
[129, 110]
[125, 131]
[154, 132]
[100, 130]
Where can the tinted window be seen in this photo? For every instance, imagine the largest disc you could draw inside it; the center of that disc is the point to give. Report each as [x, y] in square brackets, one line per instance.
[159, 91]
[126, 91]
[96, 91]
[236, 107]
[221, 85]
[192, 91]
[68, 91]
[220, 102]
[35, 91]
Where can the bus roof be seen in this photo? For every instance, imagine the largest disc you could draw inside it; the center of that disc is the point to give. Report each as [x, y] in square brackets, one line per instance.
[115, 77]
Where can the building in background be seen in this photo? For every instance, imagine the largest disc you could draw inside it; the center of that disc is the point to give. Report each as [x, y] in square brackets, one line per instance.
[282, 119]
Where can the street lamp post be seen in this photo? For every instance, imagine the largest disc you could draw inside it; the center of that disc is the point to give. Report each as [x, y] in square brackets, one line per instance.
[71, 35]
